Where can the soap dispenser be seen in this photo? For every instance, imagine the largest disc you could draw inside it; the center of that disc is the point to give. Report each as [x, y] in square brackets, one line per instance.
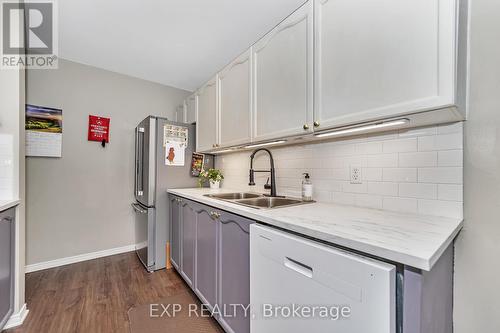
[307, 188]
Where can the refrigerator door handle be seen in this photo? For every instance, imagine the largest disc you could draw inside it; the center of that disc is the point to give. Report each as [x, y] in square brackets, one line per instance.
[139, 209]
[136, 166]
[139, 174]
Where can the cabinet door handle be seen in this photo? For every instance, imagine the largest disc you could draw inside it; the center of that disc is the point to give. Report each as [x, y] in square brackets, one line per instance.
[299, 267]
[305, 127]
[7, 219]
[316, 124]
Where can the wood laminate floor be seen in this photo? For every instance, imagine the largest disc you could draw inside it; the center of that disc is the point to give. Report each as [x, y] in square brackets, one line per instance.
[93, 296]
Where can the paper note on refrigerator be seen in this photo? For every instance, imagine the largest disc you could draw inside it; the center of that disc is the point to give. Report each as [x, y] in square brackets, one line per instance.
[175, 153]
[175, 133]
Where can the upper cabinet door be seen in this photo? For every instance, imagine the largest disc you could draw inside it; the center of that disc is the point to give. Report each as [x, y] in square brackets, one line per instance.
[378, 59]
[206, 129]
[191, 105]
[235, 100]
[180, 113]
[283, 78]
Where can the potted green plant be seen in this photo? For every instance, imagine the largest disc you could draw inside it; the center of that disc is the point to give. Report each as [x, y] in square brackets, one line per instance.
[214, 176]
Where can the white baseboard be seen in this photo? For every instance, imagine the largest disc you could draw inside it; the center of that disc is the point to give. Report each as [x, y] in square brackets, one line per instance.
[82, 257]
[17, 319]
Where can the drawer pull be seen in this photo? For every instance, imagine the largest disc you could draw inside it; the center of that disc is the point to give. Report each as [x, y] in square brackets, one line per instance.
[299, 267]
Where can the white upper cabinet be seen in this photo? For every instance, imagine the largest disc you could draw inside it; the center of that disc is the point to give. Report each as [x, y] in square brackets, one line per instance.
[206, 124]
[190, 106]
[385, 58]
[235, 97]
[283, 78]
[180, 113]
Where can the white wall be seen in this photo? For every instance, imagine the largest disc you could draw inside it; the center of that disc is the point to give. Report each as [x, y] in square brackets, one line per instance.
[80, 203]
[416, 171]
[477, 267]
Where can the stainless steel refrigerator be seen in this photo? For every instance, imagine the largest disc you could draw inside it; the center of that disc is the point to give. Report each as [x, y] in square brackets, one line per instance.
[153, 176]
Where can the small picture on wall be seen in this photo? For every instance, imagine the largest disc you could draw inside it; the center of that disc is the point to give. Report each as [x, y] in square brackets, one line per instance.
[197, 164]
[43, 131]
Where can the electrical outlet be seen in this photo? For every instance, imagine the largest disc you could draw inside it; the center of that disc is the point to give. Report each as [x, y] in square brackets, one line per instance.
[355, 172]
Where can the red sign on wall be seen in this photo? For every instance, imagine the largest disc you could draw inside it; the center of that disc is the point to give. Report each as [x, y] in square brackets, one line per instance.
[98, 129]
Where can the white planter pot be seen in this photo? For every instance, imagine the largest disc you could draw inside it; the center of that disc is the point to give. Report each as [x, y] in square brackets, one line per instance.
[214, 185]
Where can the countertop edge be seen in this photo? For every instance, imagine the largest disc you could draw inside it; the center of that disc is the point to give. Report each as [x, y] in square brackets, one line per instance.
[419, 262]
[7, 204]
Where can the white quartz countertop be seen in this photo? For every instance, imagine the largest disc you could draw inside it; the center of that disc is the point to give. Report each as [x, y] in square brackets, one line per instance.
[413, 240]
[6, 204]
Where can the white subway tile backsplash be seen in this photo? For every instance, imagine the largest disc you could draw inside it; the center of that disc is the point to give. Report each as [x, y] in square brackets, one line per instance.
[368, 200]
[344, 198]
[450, 192]
[440, 142]
[417, 190]
[418, 159]
[354, 188]
[400, 145]
[404, 205]
[453, 158]
[383, 188]
[348, 161]
[369, 148]
[399, 175]
[321, 173]
[322, 195]
[450, 128]
[340, 174]
[327, 185]
[382, 161]
[445, 175]
[411, 170]
[372, 174]
[440, 208]
[343, 150]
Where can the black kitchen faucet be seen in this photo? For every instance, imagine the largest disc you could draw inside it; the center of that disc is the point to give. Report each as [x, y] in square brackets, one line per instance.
[268, 186]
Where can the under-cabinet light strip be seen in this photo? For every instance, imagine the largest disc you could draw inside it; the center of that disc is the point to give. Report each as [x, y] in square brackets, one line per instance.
[363, 128]
[265, 144]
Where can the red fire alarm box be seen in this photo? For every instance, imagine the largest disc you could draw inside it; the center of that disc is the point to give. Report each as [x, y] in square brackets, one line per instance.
[98, 129]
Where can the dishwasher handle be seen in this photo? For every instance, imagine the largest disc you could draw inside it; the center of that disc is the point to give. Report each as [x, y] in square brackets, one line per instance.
[299, 267]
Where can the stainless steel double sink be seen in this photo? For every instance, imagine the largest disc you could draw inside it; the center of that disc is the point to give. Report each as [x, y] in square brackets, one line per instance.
[258, 201]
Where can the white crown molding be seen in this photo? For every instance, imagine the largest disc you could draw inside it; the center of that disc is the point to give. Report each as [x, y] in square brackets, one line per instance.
[18, 318]
[79, 258]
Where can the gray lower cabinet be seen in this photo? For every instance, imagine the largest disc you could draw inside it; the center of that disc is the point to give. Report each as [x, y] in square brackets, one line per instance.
[234, 272]
[188, 233]
[6, 265]
[206, 255]
[215, 258]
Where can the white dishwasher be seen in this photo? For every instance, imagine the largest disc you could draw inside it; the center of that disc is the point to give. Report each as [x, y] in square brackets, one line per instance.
[299, 285]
